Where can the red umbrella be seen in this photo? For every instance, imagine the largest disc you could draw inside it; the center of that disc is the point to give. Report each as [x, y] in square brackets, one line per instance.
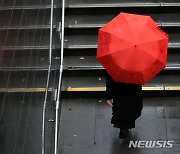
[132, 48]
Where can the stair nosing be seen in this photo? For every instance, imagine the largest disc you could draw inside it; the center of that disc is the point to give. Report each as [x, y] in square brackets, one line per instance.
[26, 27]
[114, 5]
[30, 7]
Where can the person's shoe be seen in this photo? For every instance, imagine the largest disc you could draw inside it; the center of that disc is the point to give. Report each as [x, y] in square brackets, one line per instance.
[123, 132]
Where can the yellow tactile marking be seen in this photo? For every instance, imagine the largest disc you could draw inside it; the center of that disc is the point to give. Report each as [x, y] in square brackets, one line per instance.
[152, 88]
[104, 88]
[87, 89]
[172, 88]
[24, 89]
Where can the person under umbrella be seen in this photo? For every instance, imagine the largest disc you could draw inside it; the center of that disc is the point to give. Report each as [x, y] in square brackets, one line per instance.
[126, 102]
[132, 49]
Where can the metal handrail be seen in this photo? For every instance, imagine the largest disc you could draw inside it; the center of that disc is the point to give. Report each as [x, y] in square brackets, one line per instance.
[48, 78]
[60, 77]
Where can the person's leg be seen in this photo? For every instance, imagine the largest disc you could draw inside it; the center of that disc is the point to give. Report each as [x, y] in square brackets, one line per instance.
[123, 133]
[125, 126]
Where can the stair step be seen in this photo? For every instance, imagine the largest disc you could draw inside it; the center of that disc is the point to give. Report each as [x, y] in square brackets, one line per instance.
[90, 62]
[85, 79]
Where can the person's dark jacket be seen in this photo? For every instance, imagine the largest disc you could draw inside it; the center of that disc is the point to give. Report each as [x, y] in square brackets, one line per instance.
[127, 100]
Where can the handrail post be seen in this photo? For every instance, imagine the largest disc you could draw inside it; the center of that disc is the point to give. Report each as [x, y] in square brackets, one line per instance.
[48, 78]
[60, 77]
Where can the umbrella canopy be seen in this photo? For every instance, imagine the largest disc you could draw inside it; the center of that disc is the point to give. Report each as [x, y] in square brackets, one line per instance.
[132, 48]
